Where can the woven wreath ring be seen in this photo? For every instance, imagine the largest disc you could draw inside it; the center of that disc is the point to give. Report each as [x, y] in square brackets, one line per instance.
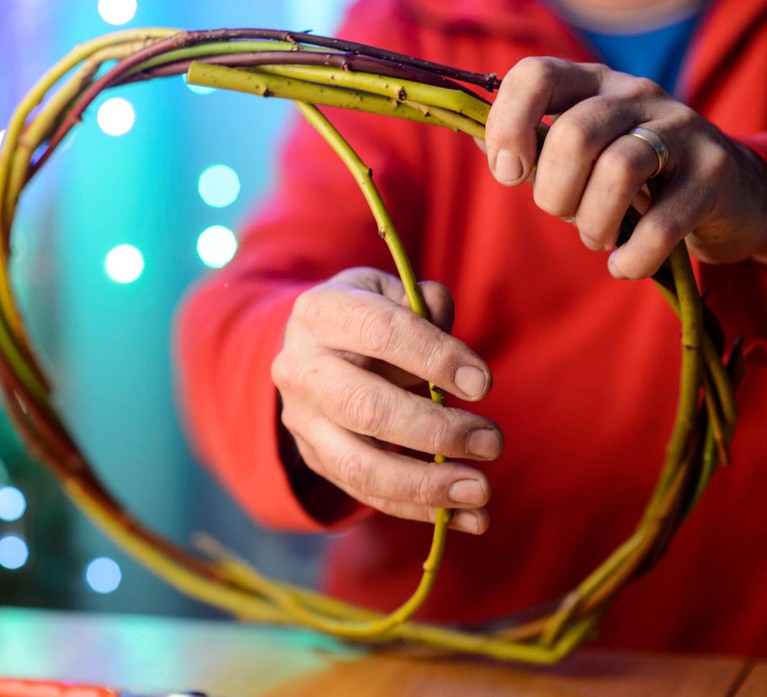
[319, 71]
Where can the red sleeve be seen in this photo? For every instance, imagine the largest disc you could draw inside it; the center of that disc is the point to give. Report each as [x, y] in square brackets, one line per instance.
[756, 141]
[230, 326]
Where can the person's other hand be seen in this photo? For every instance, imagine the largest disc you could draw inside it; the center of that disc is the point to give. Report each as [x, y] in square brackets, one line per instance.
[352, 350]
[589, 170]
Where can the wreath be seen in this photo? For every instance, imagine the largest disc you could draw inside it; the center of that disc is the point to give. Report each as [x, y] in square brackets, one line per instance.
[315, 71]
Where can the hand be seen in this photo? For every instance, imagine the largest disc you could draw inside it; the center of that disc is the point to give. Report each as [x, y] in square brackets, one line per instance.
[589, 171]
[351, 350]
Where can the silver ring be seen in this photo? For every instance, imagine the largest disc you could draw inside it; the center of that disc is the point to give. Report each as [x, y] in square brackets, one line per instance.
[656, 143]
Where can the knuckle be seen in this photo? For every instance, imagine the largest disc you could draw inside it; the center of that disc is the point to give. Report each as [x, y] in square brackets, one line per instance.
[287, 373]
[535, 69]
[432, 350]
[716, 163]
[434, 357]
[441, 439]
[365, 409]
[291, 422]
[574, 135]
[424, 490]
[281, 371]
[666, 231]
[374, 330]
[352, 468]
[622, 163]
[642, 89]
[600, 70]
[687, 119]
[305, 306]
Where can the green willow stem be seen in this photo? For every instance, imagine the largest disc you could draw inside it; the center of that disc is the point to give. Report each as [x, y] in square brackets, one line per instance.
[719, 394]
[399, 89]
[691, 314]
[388, 233]
[252, 81]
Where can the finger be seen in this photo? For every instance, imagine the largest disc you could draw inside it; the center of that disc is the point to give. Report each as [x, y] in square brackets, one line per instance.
[370, 405]
[371, 325]
[474, 521]
[616, 182]
[370, 474]
[675, 212]
[471, 520]
[533, 88]
[439, 300]
[574, 147]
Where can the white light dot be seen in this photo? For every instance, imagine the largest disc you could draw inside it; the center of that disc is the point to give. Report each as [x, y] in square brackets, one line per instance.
[116, 116]
[12, 503]
[103, 575]
[219, 186]
[117, 11]
[13, 552]
[124, 263]
[216, 246]
[2, 135]
[199, 89]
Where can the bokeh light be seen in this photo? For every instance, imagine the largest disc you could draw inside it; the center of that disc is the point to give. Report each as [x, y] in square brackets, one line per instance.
[2, 135]
[116, 116]
[199, 89]
[103, 575]
[12, 503]
[216, 246]
[14, 552]
[117, 12]
[124, 263]
[219, 186]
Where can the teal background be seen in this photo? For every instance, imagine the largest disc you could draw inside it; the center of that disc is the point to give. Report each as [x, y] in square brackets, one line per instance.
[107, 345]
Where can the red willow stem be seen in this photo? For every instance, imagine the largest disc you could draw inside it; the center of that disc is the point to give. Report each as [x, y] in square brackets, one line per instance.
[345, 61]
[397, 64]
[488, 81]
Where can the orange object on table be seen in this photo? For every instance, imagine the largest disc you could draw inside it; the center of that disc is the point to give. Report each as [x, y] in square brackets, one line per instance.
[20, 687]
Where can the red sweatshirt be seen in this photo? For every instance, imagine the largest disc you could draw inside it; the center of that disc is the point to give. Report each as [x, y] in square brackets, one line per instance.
[585, 367]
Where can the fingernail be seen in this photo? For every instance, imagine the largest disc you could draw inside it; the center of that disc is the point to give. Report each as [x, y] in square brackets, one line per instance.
[470, 381]
[612, 266]
[467, 521]
[592, 244]
[508, 167]
[467, 491]
[484, 443]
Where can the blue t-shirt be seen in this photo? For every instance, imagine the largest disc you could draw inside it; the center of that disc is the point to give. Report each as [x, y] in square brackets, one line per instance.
[655, 54]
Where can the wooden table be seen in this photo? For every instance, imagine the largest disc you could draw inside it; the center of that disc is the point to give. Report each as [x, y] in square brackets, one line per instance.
[154, 654]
